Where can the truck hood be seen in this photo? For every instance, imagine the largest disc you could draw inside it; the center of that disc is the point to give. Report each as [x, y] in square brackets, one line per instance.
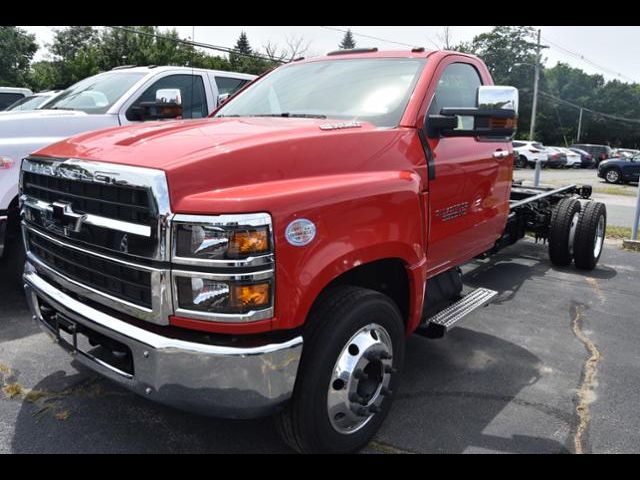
[227, 154]
[170, 145]
[51, 124]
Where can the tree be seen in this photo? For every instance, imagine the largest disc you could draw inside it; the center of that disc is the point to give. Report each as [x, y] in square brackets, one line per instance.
[244, 59]
[242, 45]
[348, 41]
[17, 49]
[445, 39]
[295, 48]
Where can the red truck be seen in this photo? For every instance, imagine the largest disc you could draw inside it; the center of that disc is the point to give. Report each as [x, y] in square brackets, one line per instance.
[272, 259]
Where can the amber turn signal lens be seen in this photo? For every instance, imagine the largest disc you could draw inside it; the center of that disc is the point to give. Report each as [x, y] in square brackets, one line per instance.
[249, 241]
[251, 295]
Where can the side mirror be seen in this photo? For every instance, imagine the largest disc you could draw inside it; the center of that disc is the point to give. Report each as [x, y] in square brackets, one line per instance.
[223, 98]
[495, 115]
[168, 105]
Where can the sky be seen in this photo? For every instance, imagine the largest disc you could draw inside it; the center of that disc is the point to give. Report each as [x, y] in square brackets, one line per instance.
[612, 51]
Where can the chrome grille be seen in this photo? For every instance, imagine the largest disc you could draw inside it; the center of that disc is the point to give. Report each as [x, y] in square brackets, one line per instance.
[116, 279]
[100, 230]
[129, 204]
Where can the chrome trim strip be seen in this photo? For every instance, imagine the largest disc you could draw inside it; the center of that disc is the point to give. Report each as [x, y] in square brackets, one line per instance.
[225, 277]
[90, 219]
[249, 219]
[33, 230]
[260, 261]
[252, 316]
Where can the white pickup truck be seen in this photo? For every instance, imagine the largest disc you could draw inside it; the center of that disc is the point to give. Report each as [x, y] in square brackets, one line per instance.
[118, 97]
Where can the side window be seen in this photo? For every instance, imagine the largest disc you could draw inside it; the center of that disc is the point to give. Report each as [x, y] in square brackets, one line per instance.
[194, 100]
[457, 88]
[7, 99]
[229, 85]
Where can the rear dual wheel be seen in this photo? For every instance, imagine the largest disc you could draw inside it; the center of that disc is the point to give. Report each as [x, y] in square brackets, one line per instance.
[577, 233]
[353, 347]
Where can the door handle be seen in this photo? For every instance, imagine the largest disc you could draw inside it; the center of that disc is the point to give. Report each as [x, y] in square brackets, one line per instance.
[501, 154]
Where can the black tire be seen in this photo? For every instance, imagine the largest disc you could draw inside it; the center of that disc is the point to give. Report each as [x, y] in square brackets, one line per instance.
[560, 246]
[613, 175]
[521, 161]
[304, 423]
[586, 252]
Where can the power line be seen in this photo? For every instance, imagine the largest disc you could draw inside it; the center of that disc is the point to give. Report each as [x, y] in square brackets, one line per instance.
[579, 107]
[579, 56]
[196, 44]
[379, 39]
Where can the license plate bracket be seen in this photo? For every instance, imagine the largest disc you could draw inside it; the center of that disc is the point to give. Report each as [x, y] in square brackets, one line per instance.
[66, 332]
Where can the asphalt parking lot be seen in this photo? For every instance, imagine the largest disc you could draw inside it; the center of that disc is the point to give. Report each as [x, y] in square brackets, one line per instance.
[550, 367]
[620, 199]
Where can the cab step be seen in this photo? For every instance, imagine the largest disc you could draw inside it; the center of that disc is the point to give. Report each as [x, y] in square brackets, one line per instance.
[441, 322]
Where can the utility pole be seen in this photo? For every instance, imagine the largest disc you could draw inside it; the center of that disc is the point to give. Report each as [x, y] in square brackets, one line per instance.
[579, 126]
[534, 108]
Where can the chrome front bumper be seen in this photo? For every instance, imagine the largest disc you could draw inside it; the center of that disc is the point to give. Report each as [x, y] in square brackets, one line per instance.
[213, 380]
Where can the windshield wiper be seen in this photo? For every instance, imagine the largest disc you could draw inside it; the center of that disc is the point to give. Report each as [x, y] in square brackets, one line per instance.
[278, 115]
[290, 115]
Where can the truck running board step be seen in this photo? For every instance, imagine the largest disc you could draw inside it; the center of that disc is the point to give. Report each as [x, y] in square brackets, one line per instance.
[437, 326]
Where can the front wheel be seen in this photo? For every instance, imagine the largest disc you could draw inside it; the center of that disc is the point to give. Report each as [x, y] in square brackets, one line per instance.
[353, 348]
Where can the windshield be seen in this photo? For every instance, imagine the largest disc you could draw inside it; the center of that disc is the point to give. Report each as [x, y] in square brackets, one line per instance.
[373, 90]
[95, 94]
[28, 103]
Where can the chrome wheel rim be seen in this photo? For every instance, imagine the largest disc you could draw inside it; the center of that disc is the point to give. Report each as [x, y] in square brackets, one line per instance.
[572, 231]
[613, 176]
[599, 240]
[360, 379]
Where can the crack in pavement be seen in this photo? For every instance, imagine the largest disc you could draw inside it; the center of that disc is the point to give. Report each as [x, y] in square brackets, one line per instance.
[588, 384]
[381, 447]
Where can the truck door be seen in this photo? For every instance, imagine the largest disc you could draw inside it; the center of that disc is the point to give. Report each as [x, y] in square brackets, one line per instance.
[470, 179]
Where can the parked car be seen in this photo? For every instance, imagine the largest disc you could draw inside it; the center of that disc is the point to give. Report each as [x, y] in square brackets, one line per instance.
[526, 154]
[599, 152]
[119, 97]
[10, 95]
[573, 158]
[625, 153]
[33, 102]
[585, 157]
[620, 170]
[556, 158]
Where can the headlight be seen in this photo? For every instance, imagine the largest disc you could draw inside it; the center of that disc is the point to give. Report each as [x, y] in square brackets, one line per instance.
[215, 247]
[224, 298]
[221, 239]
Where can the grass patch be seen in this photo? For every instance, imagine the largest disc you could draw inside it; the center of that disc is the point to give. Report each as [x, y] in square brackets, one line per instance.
[623, 191]
[12, 390]
[618, 232]
[34, 395]
[63, 415]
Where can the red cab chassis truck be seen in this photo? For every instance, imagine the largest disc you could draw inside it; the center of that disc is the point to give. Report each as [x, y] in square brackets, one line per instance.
[273, 258]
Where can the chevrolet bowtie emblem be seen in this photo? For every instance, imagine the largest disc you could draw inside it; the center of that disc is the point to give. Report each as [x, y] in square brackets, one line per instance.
[64, 217]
